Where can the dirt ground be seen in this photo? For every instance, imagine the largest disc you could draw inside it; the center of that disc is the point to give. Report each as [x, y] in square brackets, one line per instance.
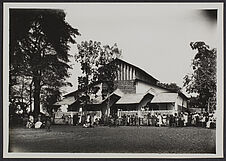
[71, 139]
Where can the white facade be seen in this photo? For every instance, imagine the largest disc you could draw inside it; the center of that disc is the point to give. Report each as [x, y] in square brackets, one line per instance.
[182, 102]
[162, 95]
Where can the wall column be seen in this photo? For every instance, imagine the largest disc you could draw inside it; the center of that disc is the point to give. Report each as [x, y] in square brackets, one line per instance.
[129, 73]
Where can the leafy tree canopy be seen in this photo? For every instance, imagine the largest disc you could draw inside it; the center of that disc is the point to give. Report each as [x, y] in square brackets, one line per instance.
[171, 86]
[39, 45]
[203, 79]
[97, 64]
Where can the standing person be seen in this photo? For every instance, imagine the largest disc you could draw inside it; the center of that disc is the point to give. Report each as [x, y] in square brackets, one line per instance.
[208, 123]
[152, 120]
[48, 121]
[75, 119]
[88, 120]
[66, 119]
[138, 117]
[189, 119]
[176, 119]
[172, 121]
[124, 120]
[92, 120]
[164, 119]
[197, 119]
[155, 119]
[203, 121]
[95, 119]
[132, 120]
[25, 119]
[159, 117]
[207, 117]
[128, 120]
[186, 119]
[167, 120]
[193, 119]
[149, 118]
[69, 119]
[136, 120]
[181, 118]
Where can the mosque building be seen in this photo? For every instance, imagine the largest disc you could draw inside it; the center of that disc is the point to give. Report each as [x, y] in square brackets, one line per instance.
[137, 92]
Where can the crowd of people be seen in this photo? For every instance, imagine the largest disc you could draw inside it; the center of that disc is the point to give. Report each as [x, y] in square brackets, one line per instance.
[39, 122]
[182, 119]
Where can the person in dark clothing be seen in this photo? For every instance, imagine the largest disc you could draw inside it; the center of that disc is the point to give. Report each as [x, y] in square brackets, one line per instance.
[133, 120]
[48, 122]
[124, 120]
[172, 121]
[149, 119]
[75, 119]
[176, 117]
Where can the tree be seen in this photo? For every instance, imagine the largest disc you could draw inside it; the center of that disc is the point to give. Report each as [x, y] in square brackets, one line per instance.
[97, 65]
[20, 94]
[39, 45]
[203, 79]
[171, 86]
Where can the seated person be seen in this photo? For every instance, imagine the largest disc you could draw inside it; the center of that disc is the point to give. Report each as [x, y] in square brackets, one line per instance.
[38, 124]
[30, 122]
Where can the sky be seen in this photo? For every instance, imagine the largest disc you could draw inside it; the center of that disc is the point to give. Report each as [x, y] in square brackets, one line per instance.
[154, 37]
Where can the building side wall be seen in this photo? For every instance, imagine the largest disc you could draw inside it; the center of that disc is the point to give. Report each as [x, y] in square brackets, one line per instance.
[126, 86]
[125, 80]
[181, 102]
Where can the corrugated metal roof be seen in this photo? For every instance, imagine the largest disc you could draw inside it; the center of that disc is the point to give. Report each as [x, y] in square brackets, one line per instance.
[117, 92]
[147, 74]
[66, 101]
[164, 98]
[95, 100]
[131, 98]
[99, 100]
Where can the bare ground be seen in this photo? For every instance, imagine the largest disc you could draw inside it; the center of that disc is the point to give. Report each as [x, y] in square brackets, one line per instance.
[71, 139]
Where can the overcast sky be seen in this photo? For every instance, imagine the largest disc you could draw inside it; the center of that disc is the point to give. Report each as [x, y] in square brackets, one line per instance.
[154, 37]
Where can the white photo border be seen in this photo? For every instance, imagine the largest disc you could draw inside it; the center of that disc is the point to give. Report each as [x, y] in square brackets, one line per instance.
[220, 89]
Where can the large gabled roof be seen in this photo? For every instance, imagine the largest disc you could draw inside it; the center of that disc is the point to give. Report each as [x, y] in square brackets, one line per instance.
[133, 98]
[123, 61]
[138, 69]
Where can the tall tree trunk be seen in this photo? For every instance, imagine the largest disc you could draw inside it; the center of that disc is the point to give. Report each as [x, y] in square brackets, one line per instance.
[37, 89]
[22, 91]
[30, 99]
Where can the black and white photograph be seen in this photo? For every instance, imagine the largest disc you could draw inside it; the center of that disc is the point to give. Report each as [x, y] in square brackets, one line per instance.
[109, 80]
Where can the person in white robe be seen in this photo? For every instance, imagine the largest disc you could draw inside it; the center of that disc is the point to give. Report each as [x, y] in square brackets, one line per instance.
[159, 117]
